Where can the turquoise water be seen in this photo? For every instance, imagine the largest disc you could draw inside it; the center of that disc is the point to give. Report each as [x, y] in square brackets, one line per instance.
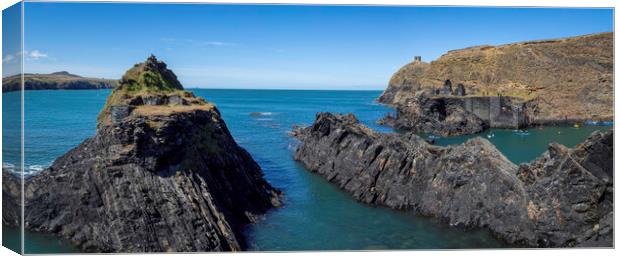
[526, 145]
[316, 214]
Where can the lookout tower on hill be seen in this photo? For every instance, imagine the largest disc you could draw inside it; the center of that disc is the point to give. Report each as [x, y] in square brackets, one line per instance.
[417, 58]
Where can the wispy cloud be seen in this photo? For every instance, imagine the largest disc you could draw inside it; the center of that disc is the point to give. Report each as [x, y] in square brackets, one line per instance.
[8, 58]
[194, 42]
[36, 54]
[217, 43]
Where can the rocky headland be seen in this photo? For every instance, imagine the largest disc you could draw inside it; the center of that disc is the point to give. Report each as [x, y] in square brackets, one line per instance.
[162, 174]
[564, 198]
[514, 85]
[55, 81]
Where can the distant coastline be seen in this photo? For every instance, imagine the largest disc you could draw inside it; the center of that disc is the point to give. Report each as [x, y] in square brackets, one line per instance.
[62, 80]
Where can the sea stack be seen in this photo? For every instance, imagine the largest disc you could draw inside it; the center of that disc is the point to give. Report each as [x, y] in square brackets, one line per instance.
[161, 174]
[562, 199]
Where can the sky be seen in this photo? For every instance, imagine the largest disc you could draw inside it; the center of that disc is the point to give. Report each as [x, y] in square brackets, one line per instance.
[11, 40]
[277, 46]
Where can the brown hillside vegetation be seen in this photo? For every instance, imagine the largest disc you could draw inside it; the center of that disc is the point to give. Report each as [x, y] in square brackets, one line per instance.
[566, 78]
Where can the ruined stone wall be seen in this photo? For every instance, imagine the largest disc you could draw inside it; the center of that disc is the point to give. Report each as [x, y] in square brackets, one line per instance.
[497, 111]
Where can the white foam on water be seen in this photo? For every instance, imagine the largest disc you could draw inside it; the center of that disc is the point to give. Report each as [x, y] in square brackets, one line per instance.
[261, 113]
[7, 165]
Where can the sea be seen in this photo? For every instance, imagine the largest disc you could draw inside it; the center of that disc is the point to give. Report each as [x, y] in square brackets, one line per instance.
[316, 214]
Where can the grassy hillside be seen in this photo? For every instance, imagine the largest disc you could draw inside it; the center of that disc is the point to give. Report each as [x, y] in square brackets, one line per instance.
[55, 81]
[569, 77]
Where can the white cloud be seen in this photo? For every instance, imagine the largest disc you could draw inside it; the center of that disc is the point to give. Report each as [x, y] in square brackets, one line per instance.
[36, 54]
[216, 43]
[8, 58]
[196, 42]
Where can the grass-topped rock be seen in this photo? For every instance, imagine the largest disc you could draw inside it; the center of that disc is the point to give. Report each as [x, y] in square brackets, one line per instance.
[149, 88]
[162, 174]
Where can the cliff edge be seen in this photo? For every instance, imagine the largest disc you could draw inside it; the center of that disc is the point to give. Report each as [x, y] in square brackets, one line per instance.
[565, 79]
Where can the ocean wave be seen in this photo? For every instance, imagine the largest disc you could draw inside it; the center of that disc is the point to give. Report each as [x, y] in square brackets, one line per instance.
[9, 167]
[28, 169]
[261, 113]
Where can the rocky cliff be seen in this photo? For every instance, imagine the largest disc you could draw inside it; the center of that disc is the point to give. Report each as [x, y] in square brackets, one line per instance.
[562, 199]
[162, 174]
[55, 81]
[427, 112]
[566, 79]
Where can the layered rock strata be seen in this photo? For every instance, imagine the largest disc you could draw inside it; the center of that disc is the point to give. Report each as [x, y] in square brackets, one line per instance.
[562, 199]
[161, 174]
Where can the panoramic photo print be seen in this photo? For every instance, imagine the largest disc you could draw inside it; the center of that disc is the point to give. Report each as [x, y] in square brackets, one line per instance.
[151, 127]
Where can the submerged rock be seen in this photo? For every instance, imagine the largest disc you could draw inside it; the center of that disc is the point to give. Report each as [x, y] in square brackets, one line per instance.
[161, 174]
[564, 198]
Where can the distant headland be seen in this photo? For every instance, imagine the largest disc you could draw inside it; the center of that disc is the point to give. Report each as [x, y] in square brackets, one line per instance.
[61, 80]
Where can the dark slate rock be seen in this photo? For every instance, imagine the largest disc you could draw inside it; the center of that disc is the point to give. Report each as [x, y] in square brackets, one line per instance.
[119, 112]
[435, 115]
[152, 184]
[164, 178]
[562, 199]
[11, 199]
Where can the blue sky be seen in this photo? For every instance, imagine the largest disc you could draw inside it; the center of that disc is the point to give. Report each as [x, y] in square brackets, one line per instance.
[276, 46]
[11, 40]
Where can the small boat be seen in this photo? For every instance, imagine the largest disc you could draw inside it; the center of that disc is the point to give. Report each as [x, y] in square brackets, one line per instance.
[576, 125]
[522, 133]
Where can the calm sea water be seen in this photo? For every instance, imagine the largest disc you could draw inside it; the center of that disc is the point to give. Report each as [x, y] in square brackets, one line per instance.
[316, 214]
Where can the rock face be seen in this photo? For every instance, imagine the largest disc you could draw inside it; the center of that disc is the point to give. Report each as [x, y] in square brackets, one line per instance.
[557, 76]
[11, 198]
[444, 115]
[162, 173]
[564, 198]
[62, 80]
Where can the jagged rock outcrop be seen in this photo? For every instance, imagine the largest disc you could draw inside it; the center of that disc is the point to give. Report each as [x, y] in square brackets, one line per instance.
[62, 80]
[443, 116]
[11, 199]
[564, 198]
[162, 174]
[447, 115]
[555, 77]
